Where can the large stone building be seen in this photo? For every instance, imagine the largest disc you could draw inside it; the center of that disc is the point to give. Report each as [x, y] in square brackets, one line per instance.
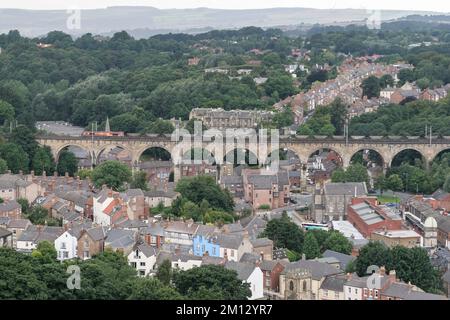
[221, 119]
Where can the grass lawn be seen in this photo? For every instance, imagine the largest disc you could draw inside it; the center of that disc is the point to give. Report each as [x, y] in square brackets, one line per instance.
[388, 199]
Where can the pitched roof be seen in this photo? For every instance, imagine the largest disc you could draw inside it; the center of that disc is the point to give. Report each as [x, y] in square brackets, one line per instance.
[318, 269]
[261, 242]
[406, 292]
[243, 269]
[229, 241]
[346, 188]
[4, 232]
[120, 238]
[334, 283]
[344, 259]
[9, 206]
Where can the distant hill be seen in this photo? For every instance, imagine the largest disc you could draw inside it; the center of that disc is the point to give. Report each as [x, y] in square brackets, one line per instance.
[146, 21]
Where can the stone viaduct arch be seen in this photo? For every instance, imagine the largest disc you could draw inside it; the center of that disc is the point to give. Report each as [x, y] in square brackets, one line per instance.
[303, 147]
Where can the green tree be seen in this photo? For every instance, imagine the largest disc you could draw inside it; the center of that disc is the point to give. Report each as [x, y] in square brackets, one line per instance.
[198, 188]
[372, 254]
[214, 277]
[139, 181]
[15, 157]
[339, 175]
[357, 173]
[284, 233]
[310, 246]
[371, 87]
[112, 174]
[152, 289]
[3, 166]
[25, 138]
[6, 112]
[24, 204]
[164, 272]
[395, 183]
[337, 242]
[43, 161]
[67, 163]
[338, 115]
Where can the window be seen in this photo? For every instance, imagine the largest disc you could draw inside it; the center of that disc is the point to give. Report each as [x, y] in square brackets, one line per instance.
[291, 286]
[65, 254]
[86, 243]
[141, 272]
[142, 264]
[376, 293]
[63, 245]
[325, 293]
[214, 250]
[304, 285]
[349, 290]
[232, 252]
[356, 291]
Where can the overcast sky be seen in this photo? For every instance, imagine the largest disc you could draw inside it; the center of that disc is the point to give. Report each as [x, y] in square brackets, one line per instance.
[427, 5]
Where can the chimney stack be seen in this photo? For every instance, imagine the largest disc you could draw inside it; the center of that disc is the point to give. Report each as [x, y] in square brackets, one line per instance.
[44, 174]
[32, 173]
[55, 174]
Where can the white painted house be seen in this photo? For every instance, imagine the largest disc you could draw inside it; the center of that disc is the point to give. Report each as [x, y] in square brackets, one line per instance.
[143, 259]
[66, 246]
[251, 274]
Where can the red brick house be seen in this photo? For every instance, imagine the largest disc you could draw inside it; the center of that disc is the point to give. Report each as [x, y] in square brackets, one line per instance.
[271, 274]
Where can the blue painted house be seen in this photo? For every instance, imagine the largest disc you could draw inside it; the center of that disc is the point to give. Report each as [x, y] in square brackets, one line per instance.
[204, 242]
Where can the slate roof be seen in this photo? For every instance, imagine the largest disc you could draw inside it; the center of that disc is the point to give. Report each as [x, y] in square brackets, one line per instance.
[334, 283]
[318, 269]
[261, 242]
[243, 269]
[97, 233]
[268, 265]
[344, 259]
[348, 188]
[405, 292]
[250, 257]
[147, 250]
[154, 229]
[4, 232]
[120, 238]
[19, 223]
[9, 206]
[229, 241]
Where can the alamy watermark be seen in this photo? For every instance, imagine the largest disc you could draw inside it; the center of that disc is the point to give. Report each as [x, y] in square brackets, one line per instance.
[74, 280]
[233, 146]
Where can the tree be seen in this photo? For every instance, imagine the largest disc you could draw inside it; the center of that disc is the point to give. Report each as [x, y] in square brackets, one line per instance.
[284, 233]
[39, 215]
[45, 251]
[281, 84]
[336, 241]
[339, 175]
[198, 188]
[395, 183]
[6, 112]
[67, 163]
[310, 246]
[357, 173]
[3, 166]
[15, 157]
[381, 183]
[213, 278]
[24, 204]
[152, 289]
[25, 138]
[386, 81]
[139, 181]
[338, 115]
[43, 161]
[371, 87]
[112, 174]
[160, 126]
[372, 254]
[164, 272]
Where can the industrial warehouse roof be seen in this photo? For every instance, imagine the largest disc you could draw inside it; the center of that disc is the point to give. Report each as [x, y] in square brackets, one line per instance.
[367, 213]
